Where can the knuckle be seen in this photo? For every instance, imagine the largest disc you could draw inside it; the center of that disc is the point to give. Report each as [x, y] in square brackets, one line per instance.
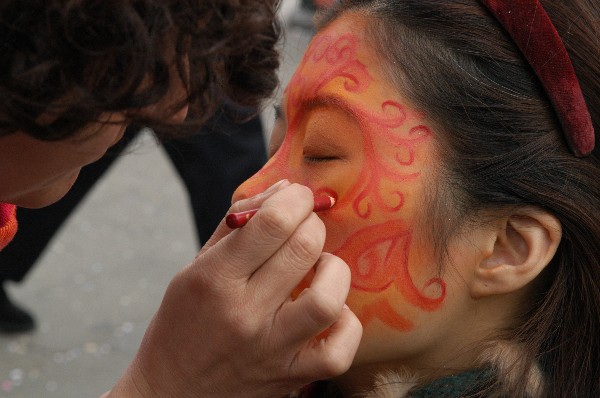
[189, 282]
[276, 223]
[305, 246]
[243, 326]
[208, 272]
[323, 309]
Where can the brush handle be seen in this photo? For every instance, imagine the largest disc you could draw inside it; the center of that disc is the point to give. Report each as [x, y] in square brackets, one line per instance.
[238, 220]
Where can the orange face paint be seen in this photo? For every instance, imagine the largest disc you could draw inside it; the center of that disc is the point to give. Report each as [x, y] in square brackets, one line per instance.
[350, 135]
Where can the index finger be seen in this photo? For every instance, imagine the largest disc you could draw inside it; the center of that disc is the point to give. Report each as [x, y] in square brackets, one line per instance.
[243, 251]
[223, 230]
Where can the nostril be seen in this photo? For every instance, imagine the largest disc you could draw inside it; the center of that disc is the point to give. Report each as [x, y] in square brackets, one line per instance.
[245, 191]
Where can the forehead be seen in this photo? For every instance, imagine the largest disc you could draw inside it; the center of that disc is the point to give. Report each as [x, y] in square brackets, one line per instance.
[340, 67]
[350, 22]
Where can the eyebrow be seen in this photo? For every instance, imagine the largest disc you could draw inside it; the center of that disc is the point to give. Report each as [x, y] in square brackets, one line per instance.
[333, 101]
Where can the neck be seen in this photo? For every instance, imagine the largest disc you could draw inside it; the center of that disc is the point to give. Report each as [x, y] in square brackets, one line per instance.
[407, 373]
[460, 348]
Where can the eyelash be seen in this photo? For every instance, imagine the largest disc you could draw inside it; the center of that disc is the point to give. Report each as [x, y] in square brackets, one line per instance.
[319, 159]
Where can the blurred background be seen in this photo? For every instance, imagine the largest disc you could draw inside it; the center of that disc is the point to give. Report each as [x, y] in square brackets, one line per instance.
[101, 278]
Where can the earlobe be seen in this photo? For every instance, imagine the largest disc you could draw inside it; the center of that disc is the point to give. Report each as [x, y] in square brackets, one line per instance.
[524, 244]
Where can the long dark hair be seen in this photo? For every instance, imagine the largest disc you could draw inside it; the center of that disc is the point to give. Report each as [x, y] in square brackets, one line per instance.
[503, 147]
[86, 57]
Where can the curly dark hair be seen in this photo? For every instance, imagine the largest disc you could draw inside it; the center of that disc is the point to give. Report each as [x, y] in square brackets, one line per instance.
[81, 58]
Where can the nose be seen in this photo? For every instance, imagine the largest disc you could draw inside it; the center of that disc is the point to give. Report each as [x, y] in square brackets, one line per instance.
[254, 185]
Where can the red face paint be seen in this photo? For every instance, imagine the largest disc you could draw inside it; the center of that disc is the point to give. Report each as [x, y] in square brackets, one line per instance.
[350, 135]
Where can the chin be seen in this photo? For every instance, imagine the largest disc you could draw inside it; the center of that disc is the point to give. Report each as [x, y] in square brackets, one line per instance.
[46, 196]
[38, 202]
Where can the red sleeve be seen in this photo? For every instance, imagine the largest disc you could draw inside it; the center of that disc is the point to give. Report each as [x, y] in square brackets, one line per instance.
[8, 223]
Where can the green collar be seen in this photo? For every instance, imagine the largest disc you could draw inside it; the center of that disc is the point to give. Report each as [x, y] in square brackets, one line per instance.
[454, 386]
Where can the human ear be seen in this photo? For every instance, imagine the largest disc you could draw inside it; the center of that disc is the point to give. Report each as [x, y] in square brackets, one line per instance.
[522, 246]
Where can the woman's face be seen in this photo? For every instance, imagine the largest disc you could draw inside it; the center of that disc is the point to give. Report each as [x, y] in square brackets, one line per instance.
[37, 173]
[345, 131]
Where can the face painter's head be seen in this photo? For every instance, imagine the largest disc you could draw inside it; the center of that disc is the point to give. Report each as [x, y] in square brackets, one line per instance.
[390, 113]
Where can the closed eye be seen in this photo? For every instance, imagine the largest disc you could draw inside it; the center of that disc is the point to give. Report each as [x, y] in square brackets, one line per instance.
[320, 159]
[319, 150]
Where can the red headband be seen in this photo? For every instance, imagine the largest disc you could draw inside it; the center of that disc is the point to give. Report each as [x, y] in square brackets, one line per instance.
[535, 35]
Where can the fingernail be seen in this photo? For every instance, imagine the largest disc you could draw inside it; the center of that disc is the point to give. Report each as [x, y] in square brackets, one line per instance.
[275, 186]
